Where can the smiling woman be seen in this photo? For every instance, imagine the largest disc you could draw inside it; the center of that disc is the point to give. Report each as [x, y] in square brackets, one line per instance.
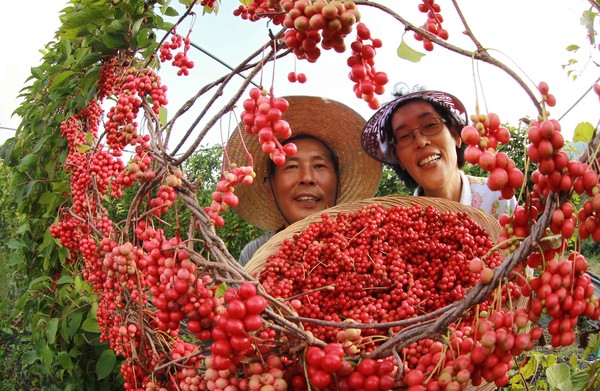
[418, 136]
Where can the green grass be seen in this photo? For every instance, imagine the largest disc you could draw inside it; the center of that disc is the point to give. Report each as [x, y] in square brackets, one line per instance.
[594, 263]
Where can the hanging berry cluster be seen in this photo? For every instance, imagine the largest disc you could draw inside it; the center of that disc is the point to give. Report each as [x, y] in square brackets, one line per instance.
[262, 116]
[367, 81]
[433, 24]
[325, 24]
[180, 60]
[483, 138]
[224, 195]
[564, 292]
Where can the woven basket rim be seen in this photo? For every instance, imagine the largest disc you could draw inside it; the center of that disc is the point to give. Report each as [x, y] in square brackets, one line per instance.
[485, 220]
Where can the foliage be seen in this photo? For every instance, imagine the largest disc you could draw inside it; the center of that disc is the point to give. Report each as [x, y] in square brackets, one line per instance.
[559, 371]
[57, 313]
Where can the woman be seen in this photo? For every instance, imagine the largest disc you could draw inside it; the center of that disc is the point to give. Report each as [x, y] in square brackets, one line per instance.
[418, 136]
[329, 168]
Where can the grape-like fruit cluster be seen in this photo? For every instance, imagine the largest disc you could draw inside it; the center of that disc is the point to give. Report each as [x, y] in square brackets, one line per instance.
[483, 138]
[433, 24]
[263, 116]
[367, 81]
[224, 195]
[563, 291]
[180, 60]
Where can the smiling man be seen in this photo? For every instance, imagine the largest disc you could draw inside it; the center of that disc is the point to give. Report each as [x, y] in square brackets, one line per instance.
[329, 168]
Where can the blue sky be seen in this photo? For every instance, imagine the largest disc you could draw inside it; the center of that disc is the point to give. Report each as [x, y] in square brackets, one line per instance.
[533, 33]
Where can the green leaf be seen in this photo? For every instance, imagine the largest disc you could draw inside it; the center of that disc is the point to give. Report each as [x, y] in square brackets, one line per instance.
[89, 138]
[572, 48]
[90, 325]
[105, 364]
[51, 330]
[47, 356]
[82, 148]
[170, 11]
[406, 52]
[221, 290]
[16, 244]
[529, 369]
[65, 360]
[580, 380]
[29, 357]
[162, 115]
[114, 41]
[587, 20]
[584, 131]
[559, 377]
[28, 162]
[60, 79]
[74, 321]
[65, 280]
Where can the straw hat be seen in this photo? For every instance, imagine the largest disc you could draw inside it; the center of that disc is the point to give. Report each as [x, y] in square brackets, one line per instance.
[332, 122]
[377, 134]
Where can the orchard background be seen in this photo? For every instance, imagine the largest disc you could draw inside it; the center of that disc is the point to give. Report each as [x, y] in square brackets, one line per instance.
[100, 156]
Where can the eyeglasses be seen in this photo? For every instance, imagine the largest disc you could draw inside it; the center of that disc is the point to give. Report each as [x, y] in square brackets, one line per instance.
[430, 127]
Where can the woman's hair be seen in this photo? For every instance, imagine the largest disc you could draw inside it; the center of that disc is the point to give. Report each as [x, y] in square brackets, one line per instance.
[454, 126]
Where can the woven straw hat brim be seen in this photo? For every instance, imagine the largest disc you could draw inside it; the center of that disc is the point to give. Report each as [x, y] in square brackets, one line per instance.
[485, 220]
[376, 142]
[338, 126]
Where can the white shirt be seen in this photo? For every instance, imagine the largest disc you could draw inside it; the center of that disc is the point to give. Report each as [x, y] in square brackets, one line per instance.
[475, 192]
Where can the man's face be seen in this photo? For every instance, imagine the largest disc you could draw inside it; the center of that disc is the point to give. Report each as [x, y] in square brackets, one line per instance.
[306, 183]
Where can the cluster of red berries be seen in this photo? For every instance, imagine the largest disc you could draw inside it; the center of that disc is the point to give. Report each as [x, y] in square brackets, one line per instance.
[589, 217]
[186, 376]
[165, 195]
[325, 23]
[180, 60]
[517, 226]
[563, 291]
[474, 353]
[433, 24]
[224, 195]
[263, 116]
[232, 339]
[326, 369]
[257, 9]
[309, 24]
[367, 81]
[483, 138]
[377, 265]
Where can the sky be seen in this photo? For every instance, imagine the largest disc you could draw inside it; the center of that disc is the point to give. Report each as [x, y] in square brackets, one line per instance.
[530, 36]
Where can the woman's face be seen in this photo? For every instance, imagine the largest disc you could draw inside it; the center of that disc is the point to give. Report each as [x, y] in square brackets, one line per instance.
[306, 183]
[430, 160]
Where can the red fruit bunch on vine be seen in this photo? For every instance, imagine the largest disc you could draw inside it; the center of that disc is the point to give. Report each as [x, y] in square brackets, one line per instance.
[180, 60]
[327, 24]
[564, 292]
[224, 196]
[262, 115]
[433, 23]
[483, 138]
[367, 81]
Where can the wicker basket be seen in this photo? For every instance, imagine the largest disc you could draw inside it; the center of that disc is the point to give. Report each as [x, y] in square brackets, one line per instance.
[485, 220]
